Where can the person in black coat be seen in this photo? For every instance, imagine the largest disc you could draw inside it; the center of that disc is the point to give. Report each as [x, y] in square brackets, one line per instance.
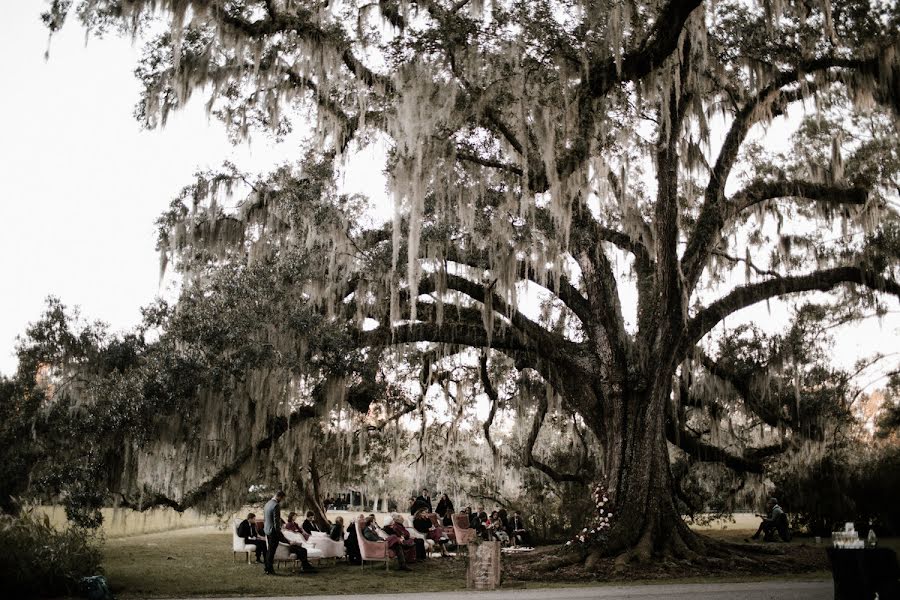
[309, 525]
[337, 530]
[517, 530]
[351, 544]
[247, 530]
[424, 501]
[445, 509]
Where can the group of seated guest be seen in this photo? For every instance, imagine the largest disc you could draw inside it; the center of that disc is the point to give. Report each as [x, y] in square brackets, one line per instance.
[395, 543]
[429, 531]
[247, 529]
[499, 526]
[423, 524]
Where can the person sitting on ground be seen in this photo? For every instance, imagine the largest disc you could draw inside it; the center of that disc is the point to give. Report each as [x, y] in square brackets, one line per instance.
[372, 533]
[775, 521]
[337, 530]
[517, 530]
[309, 525]
[444, 510]
[247, 530]
[423, 524]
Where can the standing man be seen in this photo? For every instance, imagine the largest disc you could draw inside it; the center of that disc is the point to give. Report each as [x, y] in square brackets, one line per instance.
[424, 501]
[272, 528]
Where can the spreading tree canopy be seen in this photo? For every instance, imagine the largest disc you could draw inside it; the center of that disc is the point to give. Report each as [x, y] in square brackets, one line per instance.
[607, 160]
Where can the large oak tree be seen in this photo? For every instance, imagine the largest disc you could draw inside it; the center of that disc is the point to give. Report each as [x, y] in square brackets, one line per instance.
[608, 154]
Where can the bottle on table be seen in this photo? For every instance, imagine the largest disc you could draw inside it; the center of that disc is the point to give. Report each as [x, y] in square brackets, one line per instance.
[871, 539]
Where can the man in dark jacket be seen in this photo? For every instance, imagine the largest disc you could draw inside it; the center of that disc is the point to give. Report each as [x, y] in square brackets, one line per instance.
[517, 530]
[423, 501]
[247, 530]
[309, 525]
[272, 529]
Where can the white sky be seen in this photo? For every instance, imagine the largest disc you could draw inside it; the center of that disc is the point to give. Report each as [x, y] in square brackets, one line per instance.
[81, 185]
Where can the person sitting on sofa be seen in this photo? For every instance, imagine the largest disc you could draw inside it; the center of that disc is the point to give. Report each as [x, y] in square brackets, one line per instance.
[423, 524]
[337, 530]
[292, 525]
[414, 547]
[309, 525]
[247, 530]
[372, 533]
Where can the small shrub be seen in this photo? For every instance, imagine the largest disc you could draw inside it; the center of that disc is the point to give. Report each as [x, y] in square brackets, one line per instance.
[37, 560]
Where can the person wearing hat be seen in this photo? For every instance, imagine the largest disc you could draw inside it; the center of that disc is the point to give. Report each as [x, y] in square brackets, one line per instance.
[776, 520]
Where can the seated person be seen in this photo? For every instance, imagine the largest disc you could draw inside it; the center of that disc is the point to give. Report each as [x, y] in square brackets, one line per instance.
[775, 521]
[351, 545]
[309, 525]
[517, 530]
[497, 530]
[337, 530]
[481, 523]
[247, 530]
[372, 533]
[414, 547]
[293, 548]
[422, 523]
[292, 525]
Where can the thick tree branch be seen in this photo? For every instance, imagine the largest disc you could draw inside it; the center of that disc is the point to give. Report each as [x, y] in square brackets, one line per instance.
[760, 191]
[277, 428]
[768, 101]
[704, 452]
[529, 458]
[495, 401]
[750, 294]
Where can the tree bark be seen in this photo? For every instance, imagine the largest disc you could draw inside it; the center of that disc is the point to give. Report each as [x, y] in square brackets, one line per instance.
[646, 521]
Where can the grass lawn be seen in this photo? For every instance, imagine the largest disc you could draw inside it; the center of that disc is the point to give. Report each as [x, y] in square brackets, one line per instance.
[199, 563]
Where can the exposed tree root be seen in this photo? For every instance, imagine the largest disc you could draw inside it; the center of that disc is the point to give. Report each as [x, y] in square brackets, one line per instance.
[675, 557]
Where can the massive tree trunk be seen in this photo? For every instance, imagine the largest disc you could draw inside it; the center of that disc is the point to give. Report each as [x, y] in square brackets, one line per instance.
[645, 519]
[631, 426]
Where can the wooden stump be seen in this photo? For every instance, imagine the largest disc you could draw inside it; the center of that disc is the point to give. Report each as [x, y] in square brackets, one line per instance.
[483, 572]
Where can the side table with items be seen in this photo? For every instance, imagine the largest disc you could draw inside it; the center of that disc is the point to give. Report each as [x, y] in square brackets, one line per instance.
[860, 573]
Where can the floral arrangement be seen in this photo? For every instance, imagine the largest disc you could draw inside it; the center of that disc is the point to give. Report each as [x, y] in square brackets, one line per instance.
[596, 531]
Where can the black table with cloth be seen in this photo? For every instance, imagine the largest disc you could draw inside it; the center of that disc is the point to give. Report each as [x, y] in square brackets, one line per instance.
[860, 573]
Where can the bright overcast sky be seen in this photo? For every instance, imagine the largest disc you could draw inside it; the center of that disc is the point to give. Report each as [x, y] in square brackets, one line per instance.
[81, 185]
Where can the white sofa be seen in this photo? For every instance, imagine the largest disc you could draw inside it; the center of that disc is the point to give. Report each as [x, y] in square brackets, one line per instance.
[237, 543]
[329, 547]
[283, 553]
[429, 543]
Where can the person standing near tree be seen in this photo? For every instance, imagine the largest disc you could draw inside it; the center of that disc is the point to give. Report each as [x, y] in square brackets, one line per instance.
[445, 509]
[424, 501]
[272, 528]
